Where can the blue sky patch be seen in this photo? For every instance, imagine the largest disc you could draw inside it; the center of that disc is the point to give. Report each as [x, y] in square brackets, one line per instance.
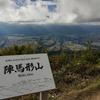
[33, 0]
[47, 0]
[19, 2]
[52, 8]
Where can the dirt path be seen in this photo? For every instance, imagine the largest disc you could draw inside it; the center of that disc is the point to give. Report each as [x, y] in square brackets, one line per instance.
[96, 97]
[93, 97]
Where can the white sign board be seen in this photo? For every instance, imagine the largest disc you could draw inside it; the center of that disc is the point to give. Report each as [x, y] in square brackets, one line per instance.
[24, 74]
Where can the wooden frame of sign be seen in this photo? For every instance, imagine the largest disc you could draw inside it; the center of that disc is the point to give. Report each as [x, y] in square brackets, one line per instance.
[25, 74]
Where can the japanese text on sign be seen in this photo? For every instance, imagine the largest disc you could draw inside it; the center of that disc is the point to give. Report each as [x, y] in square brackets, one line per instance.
[20, 68]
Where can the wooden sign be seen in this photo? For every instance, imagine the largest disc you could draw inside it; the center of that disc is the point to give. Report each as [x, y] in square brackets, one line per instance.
[24, 74]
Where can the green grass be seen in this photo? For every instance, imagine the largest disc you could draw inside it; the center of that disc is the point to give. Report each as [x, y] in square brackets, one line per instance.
[81, 94]
[86, 92]
[93, 88]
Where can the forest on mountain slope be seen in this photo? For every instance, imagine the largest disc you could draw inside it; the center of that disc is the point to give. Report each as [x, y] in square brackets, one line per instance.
[76, 74]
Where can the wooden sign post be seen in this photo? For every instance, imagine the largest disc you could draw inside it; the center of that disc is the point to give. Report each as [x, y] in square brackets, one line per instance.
[25, 74]
[43, 95]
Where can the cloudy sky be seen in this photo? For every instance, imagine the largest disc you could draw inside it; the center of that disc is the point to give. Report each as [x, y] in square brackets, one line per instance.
[50, 11]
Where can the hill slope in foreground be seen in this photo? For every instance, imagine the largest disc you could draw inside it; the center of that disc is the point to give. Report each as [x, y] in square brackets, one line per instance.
[76, 74]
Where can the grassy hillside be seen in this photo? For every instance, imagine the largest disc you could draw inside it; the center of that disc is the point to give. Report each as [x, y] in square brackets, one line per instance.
[76, 74]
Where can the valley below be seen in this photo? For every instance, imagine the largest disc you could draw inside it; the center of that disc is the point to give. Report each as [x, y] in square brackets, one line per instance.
[52, 42]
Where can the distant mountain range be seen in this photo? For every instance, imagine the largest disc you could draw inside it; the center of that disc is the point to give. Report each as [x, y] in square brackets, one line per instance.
[32, 29]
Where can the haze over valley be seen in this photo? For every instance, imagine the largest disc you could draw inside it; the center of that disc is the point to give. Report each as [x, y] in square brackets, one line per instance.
[54, 37]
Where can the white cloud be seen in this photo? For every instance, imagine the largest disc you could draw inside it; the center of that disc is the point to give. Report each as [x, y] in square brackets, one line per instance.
[68, 11]
[29, 12]
[79, 11]
[32, 13]
[6, 10]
